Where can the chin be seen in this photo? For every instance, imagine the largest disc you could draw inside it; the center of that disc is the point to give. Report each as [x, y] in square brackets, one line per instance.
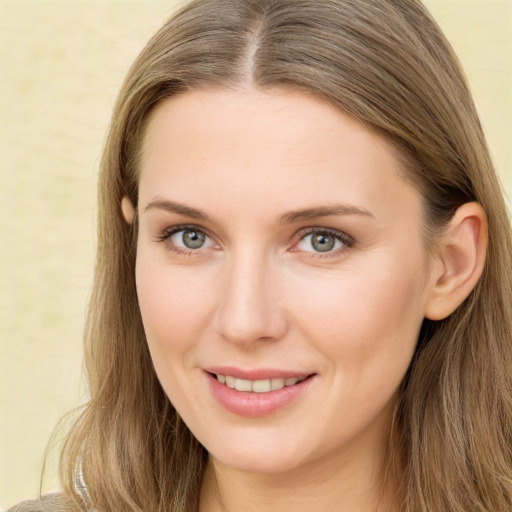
[261, 463]
[266, 455]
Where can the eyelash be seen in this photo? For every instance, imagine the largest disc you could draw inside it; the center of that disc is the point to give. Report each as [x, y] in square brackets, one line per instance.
[345, 239]
[166, 235]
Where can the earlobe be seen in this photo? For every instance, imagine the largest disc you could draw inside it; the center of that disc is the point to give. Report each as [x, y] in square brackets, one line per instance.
[128, 210]
[459, 261]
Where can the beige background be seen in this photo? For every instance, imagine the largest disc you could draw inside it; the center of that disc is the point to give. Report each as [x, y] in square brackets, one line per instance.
[61, 64]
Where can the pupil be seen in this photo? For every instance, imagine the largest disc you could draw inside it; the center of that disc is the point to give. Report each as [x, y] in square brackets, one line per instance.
[193, 239]
[323, 242]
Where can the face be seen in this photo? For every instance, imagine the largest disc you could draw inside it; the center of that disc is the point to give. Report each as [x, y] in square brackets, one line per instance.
[281, 274]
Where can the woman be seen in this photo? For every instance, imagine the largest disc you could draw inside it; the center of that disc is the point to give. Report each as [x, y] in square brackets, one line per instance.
[303, 290]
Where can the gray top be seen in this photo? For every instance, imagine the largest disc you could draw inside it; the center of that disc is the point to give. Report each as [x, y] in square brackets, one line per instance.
[47, 503]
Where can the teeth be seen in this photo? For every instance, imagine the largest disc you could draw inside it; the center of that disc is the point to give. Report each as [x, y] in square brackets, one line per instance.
[257, 386]
[243, 385]
[277, 384]
[261, 386]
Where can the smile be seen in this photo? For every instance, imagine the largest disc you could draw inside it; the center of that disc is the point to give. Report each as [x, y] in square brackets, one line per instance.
[257, 386]
[258, 396]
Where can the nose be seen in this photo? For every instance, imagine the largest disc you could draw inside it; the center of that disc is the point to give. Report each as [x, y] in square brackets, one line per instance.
[249, 309]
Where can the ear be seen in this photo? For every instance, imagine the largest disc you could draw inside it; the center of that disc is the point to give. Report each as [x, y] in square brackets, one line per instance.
[458, 262]
[128, 210]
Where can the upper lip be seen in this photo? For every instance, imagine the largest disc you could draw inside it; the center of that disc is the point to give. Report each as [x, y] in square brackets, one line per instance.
[256, 373]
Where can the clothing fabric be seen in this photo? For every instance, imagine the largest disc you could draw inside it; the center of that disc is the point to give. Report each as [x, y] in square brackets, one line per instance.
[47, 503]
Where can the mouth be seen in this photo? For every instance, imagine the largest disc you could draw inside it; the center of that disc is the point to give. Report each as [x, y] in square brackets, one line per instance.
[260, 385]
[258, 392]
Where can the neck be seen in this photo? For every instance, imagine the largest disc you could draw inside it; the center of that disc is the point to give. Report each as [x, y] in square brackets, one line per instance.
[332, 484]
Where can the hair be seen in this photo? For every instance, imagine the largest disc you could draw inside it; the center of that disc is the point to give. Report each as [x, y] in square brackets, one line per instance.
[387, 64]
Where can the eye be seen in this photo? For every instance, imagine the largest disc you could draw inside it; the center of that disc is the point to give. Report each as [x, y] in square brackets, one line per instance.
[324, 241]
[189, 238]
[186, 238]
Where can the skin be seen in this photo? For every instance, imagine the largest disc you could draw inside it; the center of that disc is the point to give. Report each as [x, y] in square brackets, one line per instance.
[258, 294]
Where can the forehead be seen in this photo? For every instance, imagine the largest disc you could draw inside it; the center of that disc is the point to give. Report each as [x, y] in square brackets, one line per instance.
[225, 147]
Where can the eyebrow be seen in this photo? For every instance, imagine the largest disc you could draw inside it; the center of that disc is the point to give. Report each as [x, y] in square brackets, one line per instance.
[290, 217]
[322, 211]
[173, 207]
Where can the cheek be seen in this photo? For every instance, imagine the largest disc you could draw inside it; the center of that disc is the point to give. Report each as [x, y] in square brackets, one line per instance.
[363, 319]
[174, 303]
[174, 309]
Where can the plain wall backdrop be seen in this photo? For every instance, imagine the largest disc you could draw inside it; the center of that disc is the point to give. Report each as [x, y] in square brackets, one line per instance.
[61, 65]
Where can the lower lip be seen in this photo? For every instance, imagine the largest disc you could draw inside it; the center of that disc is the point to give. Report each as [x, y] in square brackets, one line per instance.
[254, 405]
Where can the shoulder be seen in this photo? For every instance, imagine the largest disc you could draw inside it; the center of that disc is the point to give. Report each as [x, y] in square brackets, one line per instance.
[46, 503]
[27, 506]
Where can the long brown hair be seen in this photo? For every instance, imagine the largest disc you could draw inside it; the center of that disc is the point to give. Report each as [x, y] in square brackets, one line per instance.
[387, 64]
